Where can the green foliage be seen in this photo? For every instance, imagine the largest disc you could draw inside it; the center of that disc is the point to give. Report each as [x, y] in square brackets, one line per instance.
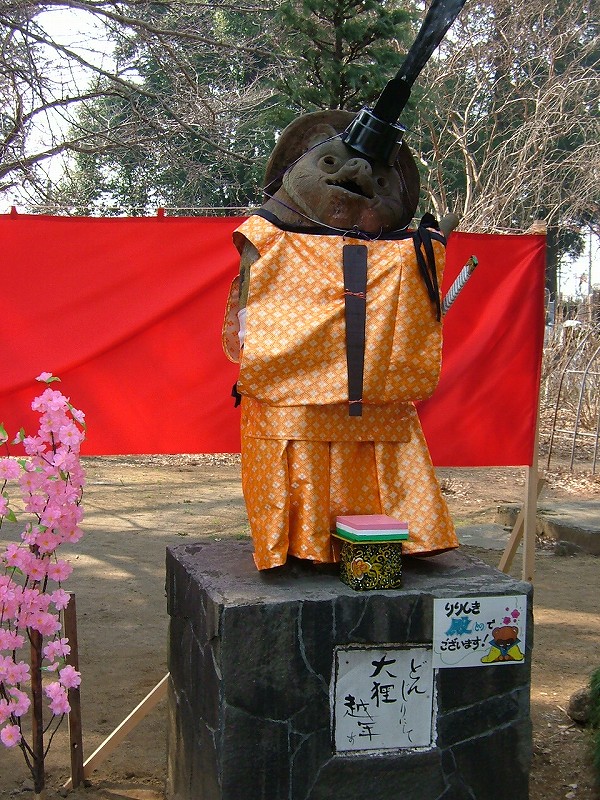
[343, 51]
[504, 120]
[171, 145]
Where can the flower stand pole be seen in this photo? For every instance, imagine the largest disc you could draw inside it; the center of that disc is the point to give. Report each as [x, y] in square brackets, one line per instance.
[74, 695]
[37, 715]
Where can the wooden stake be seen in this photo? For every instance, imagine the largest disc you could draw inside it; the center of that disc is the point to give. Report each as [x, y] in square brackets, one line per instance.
[75, 729]
[111, 743]
[530, 524]
[517, 532]
[526, 525]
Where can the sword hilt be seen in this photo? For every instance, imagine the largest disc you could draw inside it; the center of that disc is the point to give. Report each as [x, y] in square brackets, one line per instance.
[459, 284]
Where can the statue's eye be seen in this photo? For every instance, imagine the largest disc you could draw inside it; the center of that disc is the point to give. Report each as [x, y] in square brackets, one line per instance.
[329, 163]
[382, 182]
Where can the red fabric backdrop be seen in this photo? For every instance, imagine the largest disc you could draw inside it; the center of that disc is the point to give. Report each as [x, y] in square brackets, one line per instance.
[128, 313]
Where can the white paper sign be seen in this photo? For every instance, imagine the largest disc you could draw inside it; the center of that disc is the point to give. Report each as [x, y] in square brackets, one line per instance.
[479, 631]
[382, 698]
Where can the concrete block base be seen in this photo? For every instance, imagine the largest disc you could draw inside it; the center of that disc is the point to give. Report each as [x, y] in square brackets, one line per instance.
[252, 655]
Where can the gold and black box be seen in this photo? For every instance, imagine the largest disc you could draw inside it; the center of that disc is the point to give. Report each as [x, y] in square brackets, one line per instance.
[371, 555]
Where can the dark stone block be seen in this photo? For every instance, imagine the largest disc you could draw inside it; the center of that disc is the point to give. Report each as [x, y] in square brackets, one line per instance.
[454, 685]
[379, 622]
[309, 754]
[314, 619]
[192, 763]
[496, 766]
[253, 759]
[251, 657]
[478, 719]
[257, 668]
[380, 777]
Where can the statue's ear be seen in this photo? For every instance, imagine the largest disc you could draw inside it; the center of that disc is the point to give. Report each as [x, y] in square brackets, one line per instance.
[304, 132]
[317, 134]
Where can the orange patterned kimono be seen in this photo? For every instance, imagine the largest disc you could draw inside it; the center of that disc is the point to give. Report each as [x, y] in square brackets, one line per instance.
[305, 460]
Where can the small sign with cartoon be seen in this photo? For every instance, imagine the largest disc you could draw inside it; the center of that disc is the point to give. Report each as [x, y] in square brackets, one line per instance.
[479, 631]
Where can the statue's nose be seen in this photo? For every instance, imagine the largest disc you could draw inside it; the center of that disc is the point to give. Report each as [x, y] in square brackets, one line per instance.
[358, 166]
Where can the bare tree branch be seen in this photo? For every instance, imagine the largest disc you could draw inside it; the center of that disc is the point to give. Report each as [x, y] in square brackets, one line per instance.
[51, 87]
[522, 113]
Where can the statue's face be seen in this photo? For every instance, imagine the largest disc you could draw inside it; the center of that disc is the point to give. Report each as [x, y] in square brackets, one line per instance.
[336, 186]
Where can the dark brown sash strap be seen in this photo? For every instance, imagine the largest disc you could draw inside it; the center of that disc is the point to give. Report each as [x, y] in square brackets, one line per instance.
[355, 293]
[427, 268]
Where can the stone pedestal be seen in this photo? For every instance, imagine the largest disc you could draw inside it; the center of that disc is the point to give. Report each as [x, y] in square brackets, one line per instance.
[252, 657]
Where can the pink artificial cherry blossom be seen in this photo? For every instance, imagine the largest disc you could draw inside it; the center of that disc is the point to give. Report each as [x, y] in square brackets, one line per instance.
[59, 571]
[9, 469]
[10, 640]
[20, 702]
[59, 703]
[50, 480]
[69, 677]
[56, 649]
[60, 600]
[5, 710]
[10, 735]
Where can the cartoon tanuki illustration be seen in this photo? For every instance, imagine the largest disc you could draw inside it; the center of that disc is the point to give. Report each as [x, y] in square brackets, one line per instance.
[336, 322]
[504, 646]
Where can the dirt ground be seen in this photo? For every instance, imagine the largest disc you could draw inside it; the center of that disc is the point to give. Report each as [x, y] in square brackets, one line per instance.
[135, 507]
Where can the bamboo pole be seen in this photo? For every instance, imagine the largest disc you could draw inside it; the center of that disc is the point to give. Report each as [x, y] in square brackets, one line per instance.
[517, 532]
[529, 525]
[526, 525]
[111, 743]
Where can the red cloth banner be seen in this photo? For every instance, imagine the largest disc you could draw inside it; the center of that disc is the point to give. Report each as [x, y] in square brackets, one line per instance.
[484, 410]
[128, 313]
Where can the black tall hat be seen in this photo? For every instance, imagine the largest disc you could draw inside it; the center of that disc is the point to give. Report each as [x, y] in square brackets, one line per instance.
[374, 133]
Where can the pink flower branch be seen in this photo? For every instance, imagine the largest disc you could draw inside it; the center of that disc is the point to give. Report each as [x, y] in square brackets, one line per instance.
[50, 481]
